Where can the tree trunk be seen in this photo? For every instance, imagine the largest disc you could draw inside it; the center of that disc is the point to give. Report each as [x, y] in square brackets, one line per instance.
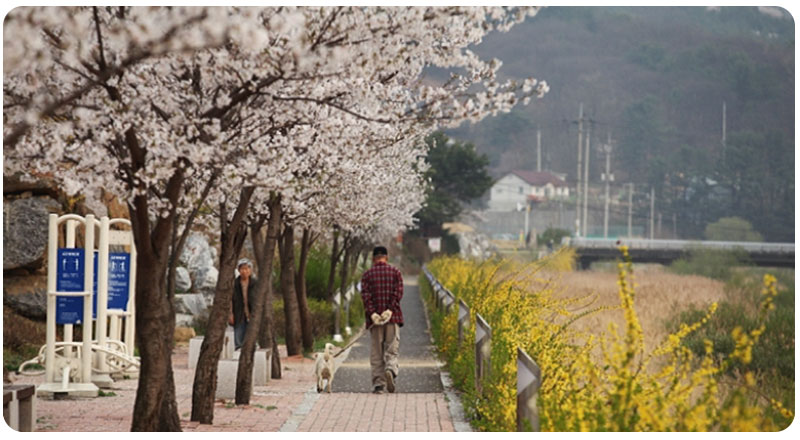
[168, 420]
[302, 298]
[354, 254]
[266, 334]
[343, 282]
[334, 261]
[152, 324]
[345, 270]
[264, 253]
[290, 306]
[154, 407]
[205, 379]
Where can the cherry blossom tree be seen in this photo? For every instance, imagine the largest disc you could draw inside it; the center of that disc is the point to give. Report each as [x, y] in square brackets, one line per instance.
[171, 108]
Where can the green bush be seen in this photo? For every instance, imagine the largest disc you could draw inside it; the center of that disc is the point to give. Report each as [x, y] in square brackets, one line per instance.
[718, 265]
[356, 312]
[773, 355]
[321, 318]
[732, 229]
[13, 358]
[554, 234]
[200, 322]
[317, 272]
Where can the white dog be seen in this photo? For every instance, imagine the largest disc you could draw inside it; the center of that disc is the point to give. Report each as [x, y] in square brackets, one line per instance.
[325, 367]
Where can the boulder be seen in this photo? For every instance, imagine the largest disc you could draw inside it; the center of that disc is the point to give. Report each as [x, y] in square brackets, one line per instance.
[183, 281]
[200, 260]
[32, 305]
[25, 229]
[183, 320]
[190, 304]
[205, 279]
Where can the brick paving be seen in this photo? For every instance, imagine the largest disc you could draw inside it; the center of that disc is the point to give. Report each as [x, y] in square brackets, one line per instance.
[290, 403]
[270, 405]
[357, 412]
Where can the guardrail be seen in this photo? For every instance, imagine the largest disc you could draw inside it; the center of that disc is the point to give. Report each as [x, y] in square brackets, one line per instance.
[666, 251]
[529, 376]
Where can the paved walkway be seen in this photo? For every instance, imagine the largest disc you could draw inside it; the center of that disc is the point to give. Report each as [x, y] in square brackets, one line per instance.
[292, 403]
[419, 402]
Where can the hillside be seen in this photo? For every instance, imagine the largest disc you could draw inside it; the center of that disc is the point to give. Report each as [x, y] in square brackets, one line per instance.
[654, 79]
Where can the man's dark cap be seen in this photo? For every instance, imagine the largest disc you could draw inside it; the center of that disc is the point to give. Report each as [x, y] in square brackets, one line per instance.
[379, 250]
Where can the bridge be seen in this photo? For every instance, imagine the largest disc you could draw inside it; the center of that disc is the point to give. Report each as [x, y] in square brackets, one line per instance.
[667, 251]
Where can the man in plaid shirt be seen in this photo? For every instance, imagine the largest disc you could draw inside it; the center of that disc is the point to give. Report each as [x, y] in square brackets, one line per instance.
[381, 291]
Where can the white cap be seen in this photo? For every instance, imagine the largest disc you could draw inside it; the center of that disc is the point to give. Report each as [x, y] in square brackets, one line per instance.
[244, 261]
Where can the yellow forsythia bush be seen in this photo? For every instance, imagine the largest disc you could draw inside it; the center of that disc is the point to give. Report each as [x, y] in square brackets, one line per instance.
[617, 390]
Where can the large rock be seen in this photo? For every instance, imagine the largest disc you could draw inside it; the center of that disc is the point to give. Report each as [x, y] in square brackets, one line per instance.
[25, 229]
[205, 279]
[183, 281]
[190, 304]
[200, 260]
[32, 305]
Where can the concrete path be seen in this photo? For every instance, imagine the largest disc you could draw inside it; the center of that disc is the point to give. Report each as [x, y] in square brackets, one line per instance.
[419, 371]
[419, 402]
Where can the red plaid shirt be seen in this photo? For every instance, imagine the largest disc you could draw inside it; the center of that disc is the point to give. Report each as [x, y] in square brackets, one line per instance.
[382, 289]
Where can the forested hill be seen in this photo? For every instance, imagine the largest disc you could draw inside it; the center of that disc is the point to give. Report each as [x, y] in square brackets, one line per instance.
[655, 79]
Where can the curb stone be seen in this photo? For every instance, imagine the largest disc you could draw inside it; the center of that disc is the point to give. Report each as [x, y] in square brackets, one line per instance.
[453, 397]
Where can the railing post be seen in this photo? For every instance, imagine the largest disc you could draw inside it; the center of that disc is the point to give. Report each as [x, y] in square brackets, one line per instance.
[449, 300]
[463, 320]
[529, 378]
[483, 341]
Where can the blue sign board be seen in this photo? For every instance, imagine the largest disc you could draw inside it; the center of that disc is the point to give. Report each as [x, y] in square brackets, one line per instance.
[69, 278]
[119, 270]
[119, 279]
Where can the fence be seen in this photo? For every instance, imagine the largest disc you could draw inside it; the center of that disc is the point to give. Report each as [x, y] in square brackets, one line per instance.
[529, 376]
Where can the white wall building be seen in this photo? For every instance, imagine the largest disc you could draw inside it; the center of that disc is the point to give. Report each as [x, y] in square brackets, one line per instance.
[520, 187]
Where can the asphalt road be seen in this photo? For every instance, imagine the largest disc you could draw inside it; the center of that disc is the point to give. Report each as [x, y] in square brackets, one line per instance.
[418, 373]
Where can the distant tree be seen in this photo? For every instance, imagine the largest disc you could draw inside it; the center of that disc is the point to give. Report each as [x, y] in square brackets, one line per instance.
[758, 168]
[732, 229]
[554, 235]
[457, 175]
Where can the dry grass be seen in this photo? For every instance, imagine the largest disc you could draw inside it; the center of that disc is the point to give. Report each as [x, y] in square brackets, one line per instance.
[659, 295]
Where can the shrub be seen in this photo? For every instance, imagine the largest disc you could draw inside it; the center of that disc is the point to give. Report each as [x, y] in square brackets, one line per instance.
[718, 265]
[317, 271]
[552, 234]
[321, 318]
[593, 382]
[732, 229]
[200, 322]
[773, 357]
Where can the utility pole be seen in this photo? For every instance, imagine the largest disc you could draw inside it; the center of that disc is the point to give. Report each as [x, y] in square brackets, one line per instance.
[724, 123]
[608, 178]
[659, 225]
[586, 178]
[527, 215]
[674, 227]
[652, 209]
[630, 209]
[538, 150]
[578, 174]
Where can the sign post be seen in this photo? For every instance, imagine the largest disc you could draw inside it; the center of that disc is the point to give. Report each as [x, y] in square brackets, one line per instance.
[69, 290]
[114, 296]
